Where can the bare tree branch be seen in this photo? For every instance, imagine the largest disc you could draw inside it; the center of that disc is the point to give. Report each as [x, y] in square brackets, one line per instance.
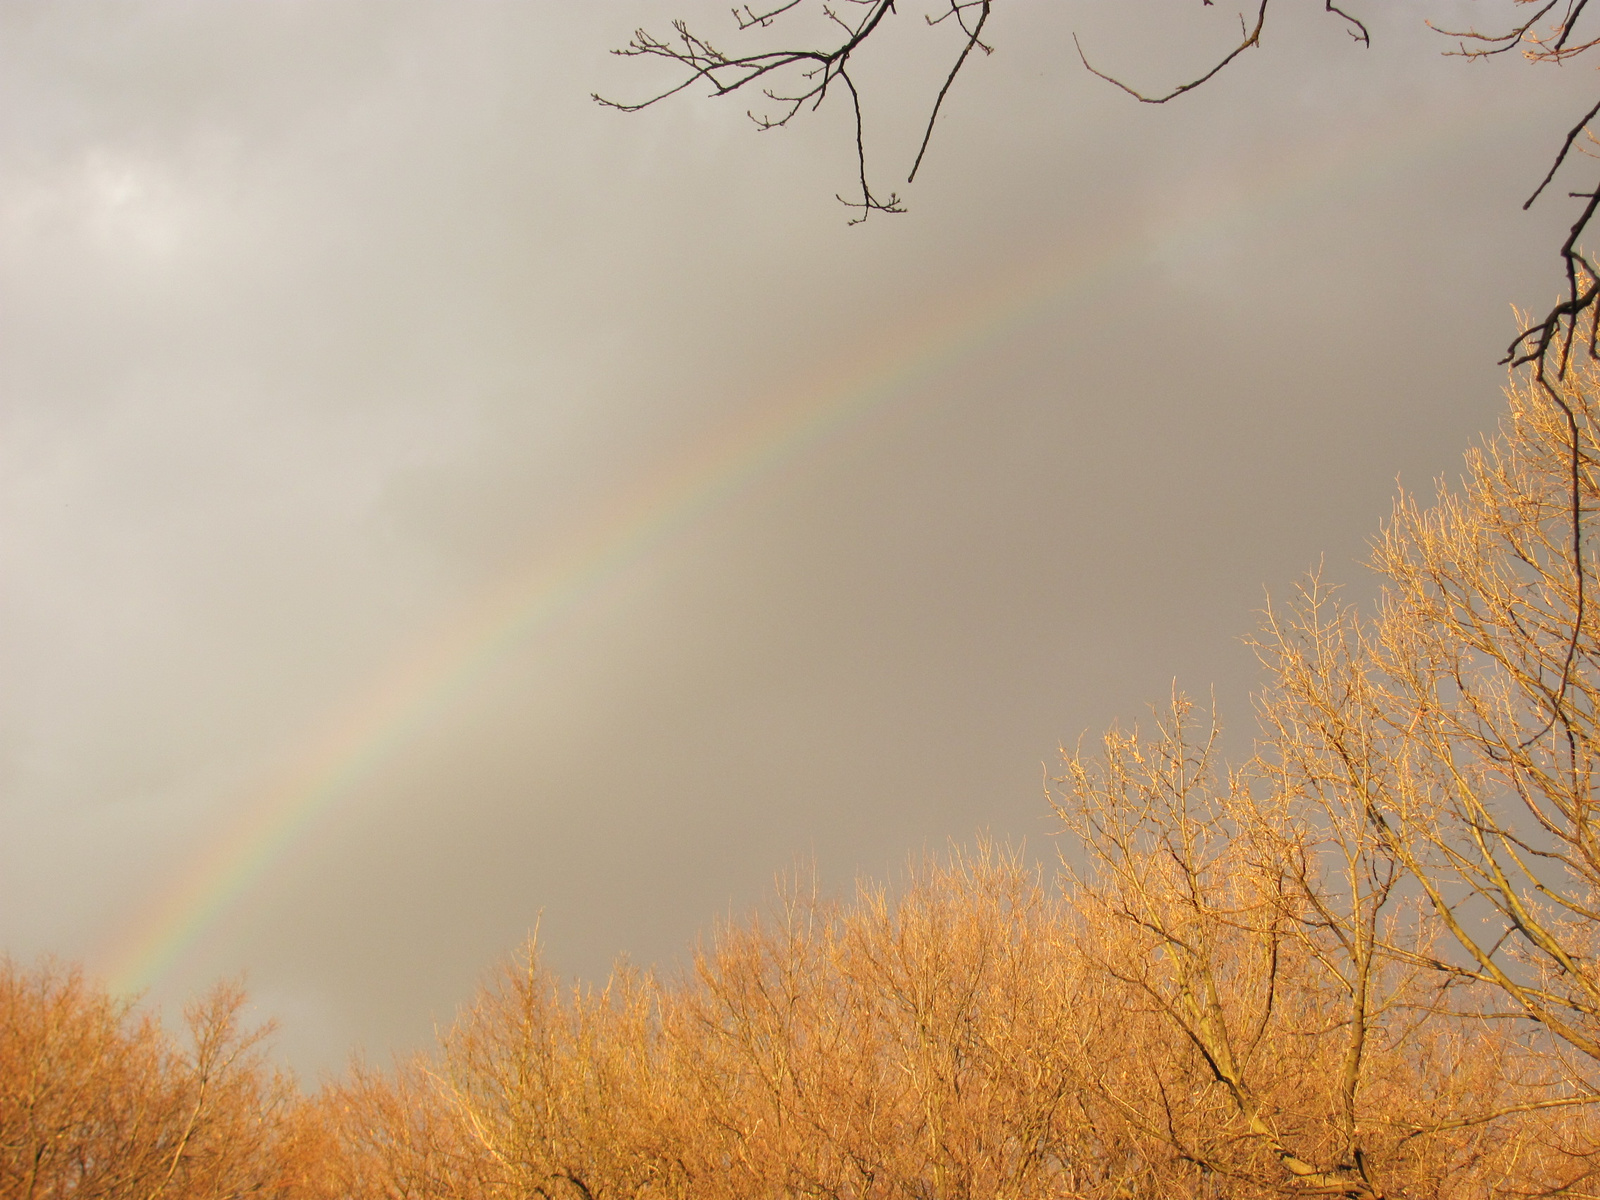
[972, 40]
[1252, 37]
[793, 80]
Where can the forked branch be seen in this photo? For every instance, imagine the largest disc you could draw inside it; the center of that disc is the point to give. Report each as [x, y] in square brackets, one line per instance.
[800, 79]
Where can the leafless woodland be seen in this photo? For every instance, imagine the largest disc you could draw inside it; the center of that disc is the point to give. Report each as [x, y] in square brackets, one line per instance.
[1362, 963]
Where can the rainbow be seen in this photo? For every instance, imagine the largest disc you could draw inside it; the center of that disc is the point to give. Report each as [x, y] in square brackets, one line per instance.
[852, 397]
[398, 705]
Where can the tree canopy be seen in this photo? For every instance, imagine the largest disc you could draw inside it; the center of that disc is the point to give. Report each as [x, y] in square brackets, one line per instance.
[1362, 963]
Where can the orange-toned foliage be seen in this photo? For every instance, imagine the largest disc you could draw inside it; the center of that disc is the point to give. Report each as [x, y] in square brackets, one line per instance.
[97, 1102]
[977, 1036]
[1362, 964]
[1283, 1013]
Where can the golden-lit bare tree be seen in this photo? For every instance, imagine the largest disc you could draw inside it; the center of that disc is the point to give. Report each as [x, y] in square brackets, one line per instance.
[96, 1101]
[928, 1044]
[387, 1134]
[1460, 724]
[1282, 1024]
[535, 1091]
[1164, 1031]
[922, 1045]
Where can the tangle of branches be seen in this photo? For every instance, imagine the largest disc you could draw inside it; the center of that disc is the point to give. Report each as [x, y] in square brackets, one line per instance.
[800, 79]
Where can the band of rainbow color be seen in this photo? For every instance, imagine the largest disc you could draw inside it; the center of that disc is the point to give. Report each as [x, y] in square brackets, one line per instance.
[391, 710]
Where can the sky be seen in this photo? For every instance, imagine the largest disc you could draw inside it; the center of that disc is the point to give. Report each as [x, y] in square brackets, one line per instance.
[434, 506]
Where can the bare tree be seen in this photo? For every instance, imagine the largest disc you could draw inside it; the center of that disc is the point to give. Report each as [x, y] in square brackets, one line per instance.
[925, 1044]
[1460, 722]
[1206, 1013]
[97, 1103]
[1284, 1026]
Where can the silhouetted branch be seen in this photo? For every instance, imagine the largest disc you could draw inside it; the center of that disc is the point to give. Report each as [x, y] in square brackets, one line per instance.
[1357, 31]
[956, 10]
[792, 80]
[749, 17]
[818, 67]
[808, 73]
[1252, 37]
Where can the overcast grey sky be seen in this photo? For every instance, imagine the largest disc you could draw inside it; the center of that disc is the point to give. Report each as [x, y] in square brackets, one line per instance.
[326, 322]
